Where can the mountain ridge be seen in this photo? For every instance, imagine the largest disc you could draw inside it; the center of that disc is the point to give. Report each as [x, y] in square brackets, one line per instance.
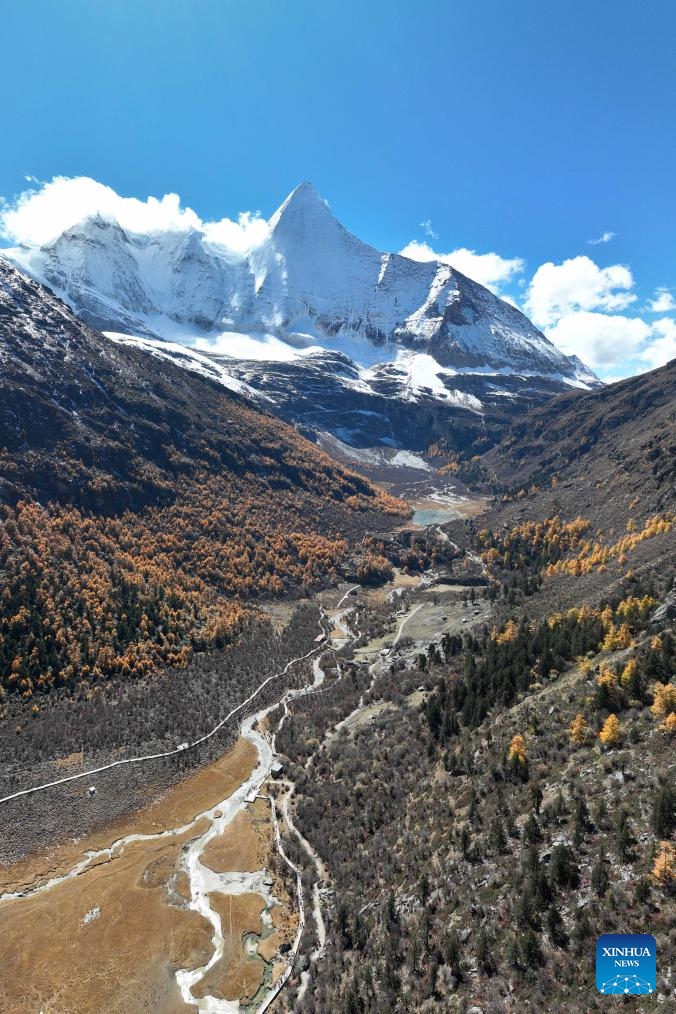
[378, 326]
[310, 266]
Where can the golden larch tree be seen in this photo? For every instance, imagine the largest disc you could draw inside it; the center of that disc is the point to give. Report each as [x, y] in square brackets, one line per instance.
[664, 699]
[663, 867]
[516, 752]
[668, 726]
[611, 733]
[579, 729]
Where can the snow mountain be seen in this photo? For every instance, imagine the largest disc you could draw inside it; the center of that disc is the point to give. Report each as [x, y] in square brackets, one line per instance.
[330, 333]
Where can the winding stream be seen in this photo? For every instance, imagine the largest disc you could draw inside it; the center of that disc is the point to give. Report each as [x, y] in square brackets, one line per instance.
[202, 880]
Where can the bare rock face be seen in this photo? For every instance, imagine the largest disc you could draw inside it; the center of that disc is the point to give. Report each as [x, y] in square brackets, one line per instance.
[667, 609]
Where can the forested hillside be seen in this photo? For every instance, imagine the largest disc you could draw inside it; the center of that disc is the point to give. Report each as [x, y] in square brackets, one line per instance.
[145, 506]
[512, 795]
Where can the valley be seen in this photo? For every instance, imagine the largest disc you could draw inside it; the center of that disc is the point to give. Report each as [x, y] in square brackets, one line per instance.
[334, 677]
[205, 852]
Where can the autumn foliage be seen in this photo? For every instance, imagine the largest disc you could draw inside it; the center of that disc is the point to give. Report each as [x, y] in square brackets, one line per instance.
[611, 733]
[566, 547]
[579, 729]
[664, 867]
[87, 597]
[516, 752]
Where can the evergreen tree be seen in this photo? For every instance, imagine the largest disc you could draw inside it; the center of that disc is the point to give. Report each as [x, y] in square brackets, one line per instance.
[664, 811]
[452, 954]
[555, 926]
[531, 949]
[599, 874]
[497, 837]
[484, 953]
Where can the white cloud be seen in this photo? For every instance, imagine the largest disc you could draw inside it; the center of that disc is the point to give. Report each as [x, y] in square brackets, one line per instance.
[617, 345]
[426, 227]
[574, 303]
[248, 232]
[40, 215]
[662, 349]
[663, 302]
[605, 237]
[577, 284]
[599, 339]
[490, 269]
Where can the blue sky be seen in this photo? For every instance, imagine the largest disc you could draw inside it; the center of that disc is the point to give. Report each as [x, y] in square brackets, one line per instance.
[521, 130]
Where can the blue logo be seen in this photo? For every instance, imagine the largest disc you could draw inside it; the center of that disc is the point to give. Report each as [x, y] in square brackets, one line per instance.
[626, 963]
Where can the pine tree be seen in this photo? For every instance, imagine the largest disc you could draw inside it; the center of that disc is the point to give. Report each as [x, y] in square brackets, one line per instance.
[353, 1002]
[555, 926]
[497, 837]
[563, 869]
[531, 949]
[514, 953]
[642, 891]
[484, 953]
[599, 874]
[536, 796]
[664, 811]
[453, 959]
[531, 830]
[622, 837]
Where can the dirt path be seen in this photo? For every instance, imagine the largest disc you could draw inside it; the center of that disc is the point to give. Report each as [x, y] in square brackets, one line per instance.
[405, 621]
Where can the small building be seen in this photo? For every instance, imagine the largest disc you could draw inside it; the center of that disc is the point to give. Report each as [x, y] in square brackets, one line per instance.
[320, 638]
[276, 768]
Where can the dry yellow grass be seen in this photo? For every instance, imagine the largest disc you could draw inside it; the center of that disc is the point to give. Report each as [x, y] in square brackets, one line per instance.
[124, 959]
[242, 849]
[235, 976]
[178, 806]
[59, 955]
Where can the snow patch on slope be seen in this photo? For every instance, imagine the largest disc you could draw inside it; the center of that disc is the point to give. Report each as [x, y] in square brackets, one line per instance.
[418, 375]
[189, 359]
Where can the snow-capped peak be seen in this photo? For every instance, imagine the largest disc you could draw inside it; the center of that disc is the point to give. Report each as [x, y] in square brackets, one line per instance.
[303, 205]
[308, 274]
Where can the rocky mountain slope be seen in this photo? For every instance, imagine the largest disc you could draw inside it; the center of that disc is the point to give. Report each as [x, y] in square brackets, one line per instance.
[606, 459]
[146, 506]
[627, 431]
[313, 301]
[502, 792]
